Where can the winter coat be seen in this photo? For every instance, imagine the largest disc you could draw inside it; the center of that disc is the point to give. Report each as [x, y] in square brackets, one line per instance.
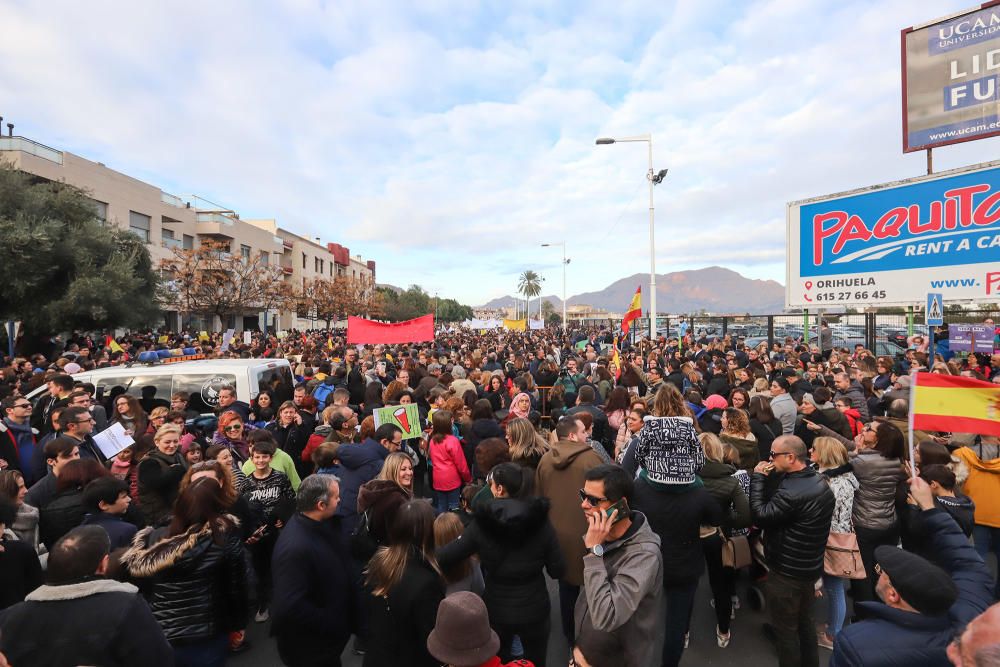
[669, 450]
[118, 529]
[17, 446]
[765, 433]
[559, 477]
[747, 447]
[676, 513]
[384, 498]
[479, 431]
[710, 421]
[875, 499]
[718, 384]
[292, 439]
[796, 521]
[982, 485]
[398, 624]
[240, 449]
[726, 490]
[856, 395]
[60, 516]
[196, 587]
[20, 571]
[159, 480]
[26, 524]
[90, 622]
[515, 541]
[896, 638]
[785, 411]
[844, 484]
[915, 536]
[314, 609]
[358, 464]
[450, 469]
[623, 593]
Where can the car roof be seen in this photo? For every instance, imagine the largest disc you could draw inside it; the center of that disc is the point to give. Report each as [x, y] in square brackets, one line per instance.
[194, 365]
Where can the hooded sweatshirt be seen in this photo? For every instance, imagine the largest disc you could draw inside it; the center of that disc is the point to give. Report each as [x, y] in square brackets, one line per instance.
[983, 485]
[559, 477]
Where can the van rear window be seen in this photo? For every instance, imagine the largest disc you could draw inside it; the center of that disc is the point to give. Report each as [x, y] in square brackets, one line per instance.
[203, 389]
[277, 381]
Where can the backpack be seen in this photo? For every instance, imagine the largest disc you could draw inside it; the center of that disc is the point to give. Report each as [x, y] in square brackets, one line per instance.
[322, 392]
[363, 544]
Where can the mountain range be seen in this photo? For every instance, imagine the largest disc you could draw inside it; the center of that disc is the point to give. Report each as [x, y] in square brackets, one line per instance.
[714, 289]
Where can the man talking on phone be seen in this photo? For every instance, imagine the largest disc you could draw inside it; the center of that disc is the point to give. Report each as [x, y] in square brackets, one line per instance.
[623, 568]
[795, 515]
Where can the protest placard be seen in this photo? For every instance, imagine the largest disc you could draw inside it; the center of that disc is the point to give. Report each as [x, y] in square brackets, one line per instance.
[406, 417]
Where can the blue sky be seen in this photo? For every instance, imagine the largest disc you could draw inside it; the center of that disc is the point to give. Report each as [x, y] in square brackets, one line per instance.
[448, 139]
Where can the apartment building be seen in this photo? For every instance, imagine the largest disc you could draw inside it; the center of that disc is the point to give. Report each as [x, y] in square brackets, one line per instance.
[165, 222]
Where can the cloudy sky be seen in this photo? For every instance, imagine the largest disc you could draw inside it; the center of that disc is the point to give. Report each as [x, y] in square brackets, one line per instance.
[448, 139]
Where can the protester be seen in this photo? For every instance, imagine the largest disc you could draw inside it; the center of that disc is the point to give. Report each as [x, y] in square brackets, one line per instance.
[382, 497]
[20, 570]
[160, 473]
[462, 636]
[448, 460]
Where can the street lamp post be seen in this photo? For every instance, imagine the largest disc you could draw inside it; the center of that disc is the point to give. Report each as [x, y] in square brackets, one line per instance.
[654, 178]
[564, 263]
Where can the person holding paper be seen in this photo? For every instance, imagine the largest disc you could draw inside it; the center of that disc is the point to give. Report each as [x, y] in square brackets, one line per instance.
[77, 423]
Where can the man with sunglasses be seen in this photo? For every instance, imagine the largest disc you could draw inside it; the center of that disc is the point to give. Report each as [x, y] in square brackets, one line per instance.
[18, 439]
[77, 423]
[795, 515]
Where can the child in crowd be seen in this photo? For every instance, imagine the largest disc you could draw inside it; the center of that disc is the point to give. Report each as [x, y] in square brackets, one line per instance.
[106, 499]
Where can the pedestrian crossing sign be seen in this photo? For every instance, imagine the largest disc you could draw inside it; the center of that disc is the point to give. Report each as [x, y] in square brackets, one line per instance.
[934, 314]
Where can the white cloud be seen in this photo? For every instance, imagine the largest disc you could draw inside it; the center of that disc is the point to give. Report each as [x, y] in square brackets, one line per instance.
[447, 139]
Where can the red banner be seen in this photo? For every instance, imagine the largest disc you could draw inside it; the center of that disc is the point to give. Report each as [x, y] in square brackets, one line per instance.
[365, 332]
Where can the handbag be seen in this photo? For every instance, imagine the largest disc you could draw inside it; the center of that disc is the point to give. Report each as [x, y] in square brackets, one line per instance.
[736, 551]
[842, 557]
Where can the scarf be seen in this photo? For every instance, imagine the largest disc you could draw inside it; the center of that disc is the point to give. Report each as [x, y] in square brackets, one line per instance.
[519, 413]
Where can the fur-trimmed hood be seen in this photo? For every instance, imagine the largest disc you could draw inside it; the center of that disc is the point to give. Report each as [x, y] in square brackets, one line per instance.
[152, 552]
[511, 519]
[79, 590]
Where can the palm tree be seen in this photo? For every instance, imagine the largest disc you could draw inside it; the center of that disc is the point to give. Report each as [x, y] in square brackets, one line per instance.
[530, 285]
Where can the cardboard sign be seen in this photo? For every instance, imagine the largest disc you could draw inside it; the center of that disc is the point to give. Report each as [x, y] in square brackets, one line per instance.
[406, 417]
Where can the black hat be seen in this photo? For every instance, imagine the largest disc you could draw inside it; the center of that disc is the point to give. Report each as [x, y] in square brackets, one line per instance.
[923, 585]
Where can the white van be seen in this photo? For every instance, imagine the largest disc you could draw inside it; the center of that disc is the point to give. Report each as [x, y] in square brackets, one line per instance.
[201, 379]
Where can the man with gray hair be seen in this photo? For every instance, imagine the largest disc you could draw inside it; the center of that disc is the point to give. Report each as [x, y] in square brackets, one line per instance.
[315, 606]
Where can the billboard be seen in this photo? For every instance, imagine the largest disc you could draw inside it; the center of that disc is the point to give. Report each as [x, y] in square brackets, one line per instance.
[951, 79]
[891, 244]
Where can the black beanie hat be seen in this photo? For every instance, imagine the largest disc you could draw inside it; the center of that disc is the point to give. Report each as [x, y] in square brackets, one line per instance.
[923, 585]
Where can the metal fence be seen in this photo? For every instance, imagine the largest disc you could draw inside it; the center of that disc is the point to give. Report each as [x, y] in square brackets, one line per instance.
[882, 333]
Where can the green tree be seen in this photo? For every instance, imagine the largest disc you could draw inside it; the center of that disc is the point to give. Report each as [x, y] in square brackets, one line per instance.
[62, 269]
[529, 284]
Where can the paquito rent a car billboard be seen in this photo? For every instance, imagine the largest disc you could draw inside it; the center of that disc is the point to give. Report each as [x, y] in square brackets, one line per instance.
[893, 243]
[951, 79]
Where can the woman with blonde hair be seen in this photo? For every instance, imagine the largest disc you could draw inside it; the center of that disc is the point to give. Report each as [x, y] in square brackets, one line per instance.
[160, 474]
[465, 575]
[382, 497]
[760, 387]
[726, 490]
[527, 447]
[737, 432]
[404, 586]
[831, 456]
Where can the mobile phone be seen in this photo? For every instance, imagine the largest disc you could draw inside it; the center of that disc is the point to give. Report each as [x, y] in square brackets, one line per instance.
[623, 510]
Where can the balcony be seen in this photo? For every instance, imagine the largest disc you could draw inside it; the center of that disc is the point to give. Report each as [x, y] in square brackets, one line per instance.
[216, 225]
[173, 200]
[172, 244]
[31, 148]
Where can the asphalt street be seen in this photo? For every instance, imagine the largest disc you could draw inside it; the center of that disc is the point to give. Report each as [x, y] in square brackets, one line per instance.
[748, 648]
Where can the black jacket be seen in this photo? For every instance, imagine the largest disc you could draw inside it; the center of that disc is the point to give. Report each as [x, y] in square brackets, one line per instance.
[479, 431]
[765, 434]
[315, 607]
[292, 439]
[515, 541]
[196, 587]
[718, 384]
[159, 479]
[796, 521]
[726, 490]
[91, 622]
[675, 513]
[20, 571]
[398, 625]
[61, 515]
[602, 431]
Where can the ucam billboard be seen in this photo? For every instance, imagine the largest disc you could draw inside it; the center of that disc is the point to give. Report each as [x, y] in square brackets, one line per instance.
[951, 79]
[891, 244]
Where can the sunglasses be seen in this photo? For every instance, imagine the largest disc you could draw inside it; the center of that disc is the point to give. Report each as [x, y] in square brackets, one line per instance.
[233, 427]
[773, 453]
[593, 501]
[23, 406]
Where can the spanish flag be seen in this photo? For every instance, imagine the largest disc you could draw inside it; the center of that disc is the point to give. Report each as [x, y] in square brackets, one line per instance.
[954, 403]
[616, 359]
[113, 345]
[634, 311]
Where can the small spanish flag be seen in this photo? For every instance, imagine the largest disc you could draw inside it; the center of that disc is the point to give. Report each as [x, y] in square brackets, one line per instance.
[113, 345]
[634, 311]
[954, 403]
[616, 359]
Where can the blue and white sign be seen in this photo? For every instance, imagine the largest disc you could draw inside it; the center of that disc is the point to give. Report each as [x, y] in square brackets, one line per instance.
[951, 79]
[894, 243]
[934, 314]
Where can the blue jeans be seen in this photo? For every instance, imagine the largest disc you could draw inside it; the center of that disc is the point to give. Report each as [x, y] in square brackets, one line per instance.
[680, 603]
[834, 588]
[210, 652]
[445, 501]
[987, 540]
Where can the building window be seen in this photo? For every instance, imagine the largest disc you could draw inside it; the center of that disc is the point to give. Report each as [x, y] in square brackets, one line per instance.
[331, 269]
[100, 210]
[188, 242]
[320, 267]
[265, 258]
[139, 225]
[245, 252]
[303, 260]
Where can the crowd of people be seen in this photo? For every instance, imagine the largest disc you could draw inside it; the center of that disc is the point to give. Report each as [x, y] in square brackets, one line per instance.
[780, 473]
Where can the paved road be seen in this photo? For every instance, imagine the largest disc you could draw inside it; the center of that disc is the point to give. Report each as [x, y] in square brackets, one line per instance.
[748, 648]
